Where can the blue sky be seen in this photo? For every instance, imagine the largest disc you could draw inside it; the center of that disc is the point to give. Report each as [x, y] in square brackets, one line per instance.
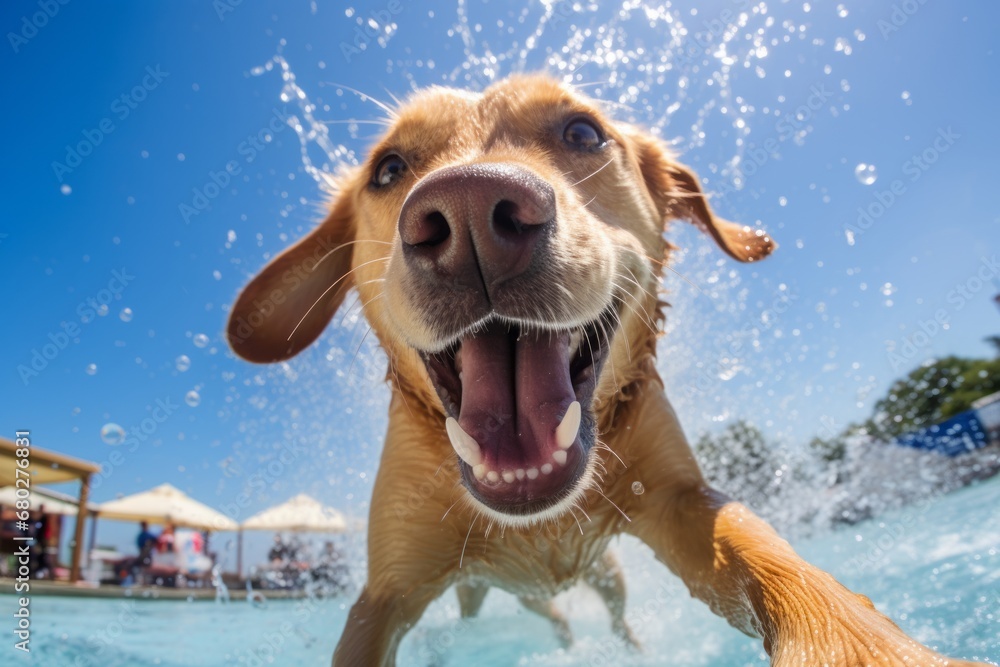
[163, 96]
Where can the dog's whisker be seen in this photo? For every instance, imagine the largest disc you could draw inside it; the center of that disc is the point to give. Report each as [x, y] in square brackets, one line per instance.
[578, 524]
[606, 447]
[344, 245]
[663, 264]
[365, 97]
[327, 291]
[600, 493]
[465, 544]
[356, 121]
[593, 173]
[449, 509]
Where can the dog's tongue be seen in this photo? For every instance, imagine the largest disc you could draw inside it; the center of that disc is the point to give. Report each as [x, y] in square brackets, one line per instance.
[515, 391]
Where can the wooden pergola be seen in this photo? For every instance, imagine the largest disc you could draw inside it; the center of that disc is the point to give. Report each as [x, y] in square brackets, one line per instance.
[47, 467]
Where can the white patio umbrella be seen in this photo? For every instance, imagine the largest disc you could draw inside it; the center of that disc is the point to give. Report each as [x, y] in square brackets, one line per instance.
[166, 504]
[300, 514]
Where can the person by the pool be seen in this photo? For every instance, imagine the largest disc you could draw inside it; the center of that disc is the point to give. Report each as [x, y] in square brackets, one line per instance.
[146, 540]
[146, 543]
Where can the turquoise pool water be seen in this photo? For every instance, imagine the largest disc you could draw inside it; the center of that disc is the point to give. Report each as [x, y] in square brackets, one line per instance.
[935, 568]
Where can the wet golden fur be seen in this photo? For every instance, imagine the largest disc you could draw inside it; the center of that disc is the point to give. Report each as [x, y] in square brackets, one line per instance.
[612, 211]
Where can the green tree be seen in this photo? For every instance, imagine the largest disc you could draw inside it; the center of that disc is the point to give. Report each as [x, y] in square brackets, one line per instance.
[932, 393]
[995, 342]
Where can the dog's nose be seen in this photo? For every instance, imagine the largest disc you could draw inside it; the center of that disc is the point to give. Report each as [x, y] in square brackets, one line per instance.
[463, 222]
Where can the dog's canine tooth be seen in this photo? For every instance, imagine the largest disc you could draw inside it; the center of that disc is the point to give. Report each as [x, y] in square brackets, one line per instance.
[546, 468]
[508, 476]
[567, 431]
[464, 444]
[479, 471]
[519, 473]
[532, 473]
[492, 476]
[559, 456]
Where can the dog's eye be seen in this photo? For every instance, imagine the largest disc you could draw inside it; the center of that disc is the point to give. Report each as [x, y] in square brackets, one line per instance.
[583, 134]
[388, 170]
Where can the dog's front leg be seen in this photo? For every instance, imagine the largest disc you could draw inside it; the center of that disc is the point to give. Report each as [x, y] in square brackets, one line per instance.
[376, 624]
[745, 572]
[412, 553]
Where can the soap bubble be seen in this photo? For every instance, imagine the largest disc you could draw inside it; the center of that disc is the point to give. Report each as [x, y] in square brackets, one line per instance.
[866, 174]
[126, 315]
[183, 363]
[112, 434]
[200, 340]
[192, 398]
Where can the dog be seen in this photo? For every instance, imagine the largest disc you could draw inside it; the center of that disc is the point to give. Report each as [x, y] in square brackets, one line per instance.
[506, 248]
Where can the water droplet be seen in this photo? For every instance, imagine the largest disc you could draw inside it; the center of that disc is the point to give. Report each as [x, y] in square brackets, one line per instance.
[200, 340]
[638, 489]
[866, 174]
[126, 315]
[91, 369]
[112, 434]
[192, 398]
[183, 363]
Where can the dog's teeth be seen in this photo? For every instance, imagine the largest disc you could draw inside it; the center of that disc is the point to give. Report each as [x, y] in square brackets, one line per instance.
[519, 473]
[567, 431]
[559, 456]
[492, 476]
[532, 473]
[479, 471]
[546, 468]
[464, 444]
[508, 476]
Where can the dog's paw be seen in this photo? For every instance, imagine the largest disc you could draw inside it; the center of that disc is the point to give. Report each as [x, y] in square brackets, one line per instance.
[861, 637]
[623, 631]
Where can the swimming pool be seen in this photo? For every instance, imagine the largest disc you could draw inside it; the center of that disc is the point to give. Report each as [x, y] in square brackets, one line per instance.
[934, 568]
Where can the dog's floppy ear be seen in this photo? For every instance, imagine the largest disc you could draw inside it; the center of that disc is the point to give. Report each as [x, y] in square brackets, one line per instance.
[287, 306]
[675, 189]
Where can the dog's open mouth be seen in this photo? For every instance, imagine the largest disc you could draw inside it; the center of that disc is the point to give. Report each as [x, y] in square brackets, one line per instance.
[519, 401]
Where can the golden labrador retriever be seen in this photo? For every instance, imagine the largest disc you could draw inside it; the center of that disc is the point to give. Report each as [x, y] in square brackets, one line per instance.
[507, 248]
